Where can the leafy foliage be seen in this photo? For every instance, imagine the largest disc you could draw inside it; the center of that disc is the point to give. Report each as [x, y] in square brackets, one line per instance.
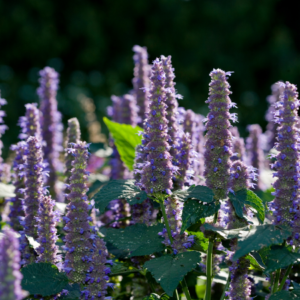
[126, 138]
[169, 270]
[199, 192]
[73, 292]
[224, 233]
[154, 296]
[119, 189]
[246, 197]
[201, 242]
[43, 279]
[138, 239]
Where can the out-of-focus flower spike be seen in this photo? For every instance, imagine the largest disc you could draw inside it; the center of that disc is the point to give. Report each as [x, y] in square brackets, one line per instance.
[238, 145]
[3, 128]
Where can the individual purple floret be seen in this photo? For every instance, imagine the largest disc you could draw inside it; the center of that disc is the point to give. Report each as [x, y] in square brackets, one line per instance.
[141, 82]
[181, 242]
[255, 152]
[51, 125]
[73, 136]
[16, 208]
[157, 173]
[30, 124]
[238, 145]
[10, 275]
[286, 203]
[47, 233]
[218, 147]
[271, 133]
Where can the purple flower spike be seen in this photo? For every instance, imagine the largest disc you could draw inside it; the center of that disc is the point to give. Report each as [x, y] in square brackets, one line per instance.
[157, 173]
[254, 150]
[129, 110]
[286, 203]
[2, 130]
[51, 125]
[10, 275]
[219, 141]
[141, 81]
[47, 233]
[16, 208]
[238, 145]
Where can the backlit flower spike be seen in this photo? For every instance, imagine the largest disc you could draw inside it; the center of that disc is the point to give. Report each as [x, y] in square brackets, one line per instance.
[255, 152]
[128, 110]
[238, 145]
[218, 147]
[47, 233]
[3, 128]
[17, 208]
[141, 81]
[285, 206]
[157, 173]
[51, 126]
[10, 275]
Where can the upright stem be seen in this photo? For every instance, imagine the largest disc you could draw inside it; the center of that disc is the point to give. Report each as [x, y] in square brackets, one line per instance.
[275, 286]
[162, 206]
[209, 269]
[226, 287]
[186, 289]
[285, 277]
[176, 295]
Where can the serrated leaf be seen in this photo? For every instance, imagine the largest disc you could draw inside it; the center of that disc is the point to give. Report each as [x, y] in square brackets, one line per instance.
[259, 237]
[199, 192]
[119, 189]
[169, 271]
[126, 138]
[73, 292]
[7, 190]
[246, 197]
[193, 211]
[225, 233]
[43, 279]
[138, 239]
[284, 295]
[280, 257]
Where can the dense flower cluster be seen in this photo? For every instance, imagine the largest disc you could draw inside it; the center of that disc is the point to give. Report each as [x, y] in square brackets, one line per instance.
[51, 125]
[286, 203]
[3, 127]
[238, 145]
[10, 275]
[218, 147]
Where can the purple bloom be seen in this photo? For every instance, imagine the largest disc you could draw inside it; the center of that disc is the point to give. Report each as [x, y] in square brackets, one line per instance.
[238, 145]
[10, 275]
[51, 125]
[2, 130]
[141, 80]
[156, 175]
[219, 141]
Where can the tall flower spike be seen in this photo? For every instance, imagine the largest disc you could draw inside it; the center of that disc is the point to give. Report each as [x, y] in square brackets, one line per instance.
[238, 145]
[254, 151]
[287, 193]
[47, 233]
[157, 172]
[218, 147]
[73, 136]
[10, 275]
[86, 254]
[33, 191]
[3, 127]
[16, 208]
[51, 125]
[141, 81]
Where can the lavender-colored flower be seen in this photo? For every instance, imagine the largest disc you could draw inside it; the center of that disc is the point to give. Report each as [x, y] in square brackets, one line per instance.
[286, 203]
[216, 259]
[218, 147]
[181, 242]
[255, 152]
[143, 213]
[16, 208]
[2, 130]
[47, 233]
[10, 275]
[51, 125]
[157, 172]
[30, 124]
[238, 145]
[271, 133]
[141, 81]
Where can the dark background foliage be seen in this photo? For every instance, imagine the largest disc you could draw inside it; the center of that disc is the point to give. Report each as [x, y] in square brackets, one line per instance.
[90, 44]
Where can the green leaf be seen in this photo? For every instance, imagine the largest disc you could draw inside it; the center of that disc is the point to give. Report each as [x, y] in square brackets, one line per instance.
[154, 296]
[43, 279]
[258, 237]
[284, 295]
[169, 271]
[193, 211]
[7, 190]
[198, 192]
[138, 239]
[254, 263]
[246, 197]
[119, 189]
[118, 267]
[201, 242]
[126, 138]
[73, 292]
[280, 257]
[225, 233]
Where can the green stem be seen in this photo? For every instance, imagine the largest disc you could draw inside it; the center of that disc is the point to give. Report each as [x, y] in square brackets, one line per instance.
[287, 273]
[176, 295]
[226, 287]
[209, 270]
[275, 286]
[163, 210]
[186, 289]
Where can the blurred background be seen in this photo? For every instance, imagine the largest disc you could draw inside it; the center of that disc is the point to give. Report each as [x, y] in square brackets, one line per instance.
[90, 44]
